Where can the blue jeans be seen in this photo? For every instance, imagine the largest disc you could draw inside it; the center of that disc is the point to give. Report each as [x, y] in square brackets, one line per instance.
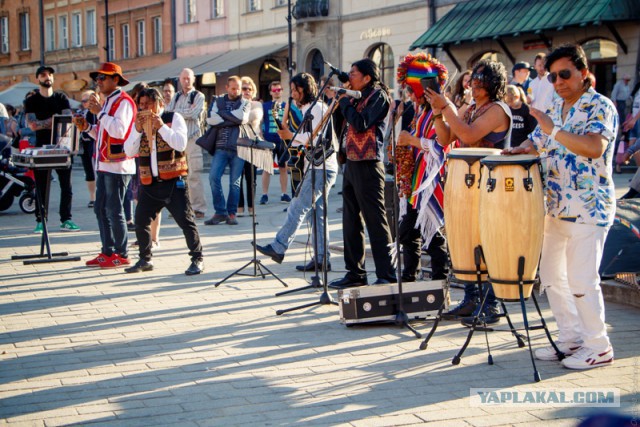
[300, 209]
[109, 209]
[220, 160]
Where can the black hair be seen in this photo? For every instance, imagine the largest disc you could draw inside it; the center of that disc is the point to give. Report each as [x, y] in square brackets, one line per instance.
[307, 83]
[494, 78]
[369, 68]
[169, 81]
[575, 54]
[137, 89]
[152, 93]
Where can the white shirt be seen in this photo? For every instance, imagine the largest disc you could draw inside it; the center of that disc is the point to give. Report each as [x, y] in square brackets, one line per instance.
[621, 91]
[116, 126]
[175, 136]
[541, 92]
[303, 137]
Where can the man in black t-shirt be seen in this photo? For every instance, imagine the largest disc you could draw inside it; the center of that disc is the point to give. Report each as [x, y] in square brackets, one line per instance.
[39, 109]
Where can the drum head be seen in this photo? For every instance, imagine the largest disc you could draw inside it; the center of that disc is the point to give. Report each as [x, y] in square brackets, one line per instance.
[472, 154]
[525, 160]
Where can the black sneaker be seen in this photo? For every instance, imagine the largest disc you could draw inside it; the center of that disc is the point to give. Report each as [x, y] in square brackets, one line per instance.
[465, 308]
[489, 316]
[139, 266]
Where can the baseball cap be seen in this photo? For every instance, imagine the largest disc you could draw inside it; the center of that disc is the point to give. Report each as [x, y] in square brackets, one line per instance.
[44, 68]
[522, 66]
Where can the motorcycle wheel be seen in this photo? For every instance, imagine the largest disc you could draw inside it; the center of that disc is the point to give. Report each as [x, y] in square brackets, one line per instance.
[28, 203]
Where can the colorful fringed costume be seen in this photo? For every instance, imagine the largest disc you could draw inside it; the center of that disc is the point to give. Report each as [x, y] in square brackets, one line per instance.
[423, 188]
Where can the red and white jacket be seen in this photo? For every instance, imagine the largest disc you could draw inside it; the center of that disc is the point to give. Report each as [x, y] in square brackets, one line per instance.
[115, 121]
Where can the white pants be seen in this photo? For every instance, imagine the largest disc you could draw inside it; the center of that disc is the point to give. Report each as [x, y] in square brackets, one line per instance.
[196, 190]
[571, 255]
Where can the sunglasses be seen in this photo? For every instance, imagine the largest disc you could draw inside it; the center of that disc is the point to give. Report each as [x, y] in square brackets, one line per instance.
[101, 77]
[276, 90]
[478, 76]
[246, 89]
[84, 101]
[563, 74]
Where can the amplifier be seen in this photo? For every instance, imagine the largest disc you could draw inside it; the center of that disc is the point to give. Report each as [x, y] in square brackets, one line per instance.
[43, 158]
[379, 303]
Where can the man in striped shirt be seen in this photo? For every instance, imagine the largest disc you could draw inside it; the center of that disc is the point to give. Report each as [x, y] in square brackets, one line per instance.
[189, 102]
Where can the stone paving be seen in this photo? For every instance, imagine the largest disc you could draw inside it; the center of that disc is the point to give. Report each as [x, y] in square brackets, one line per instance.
[81, 346]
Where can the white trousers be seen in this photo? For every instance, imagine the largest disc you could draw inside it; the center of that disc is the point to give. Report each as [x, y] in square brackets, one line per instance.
[571, 255]
[196, 190]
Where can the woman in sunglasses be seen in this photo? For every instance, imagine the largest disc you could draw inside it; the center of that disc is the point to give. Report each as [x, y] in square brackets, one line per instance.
[486, 122]
[577, 141]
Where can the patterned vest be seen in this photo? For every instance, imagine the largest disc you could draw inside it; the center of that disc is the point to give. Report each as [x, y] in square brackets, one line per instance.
[171, 163]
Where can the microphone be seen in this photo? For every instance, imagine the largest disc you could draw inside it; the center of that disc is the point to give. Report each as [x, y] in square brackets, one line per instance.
[342, 91]
[342, 76]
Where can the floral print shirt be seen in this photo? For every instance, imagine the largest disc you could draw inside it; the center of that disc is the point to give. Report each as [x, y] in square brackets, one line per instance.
[580, 189]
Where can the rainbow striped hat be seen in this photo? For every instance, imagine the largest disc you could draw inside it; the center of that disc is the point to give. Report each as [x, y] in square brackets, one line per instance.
[412, 68]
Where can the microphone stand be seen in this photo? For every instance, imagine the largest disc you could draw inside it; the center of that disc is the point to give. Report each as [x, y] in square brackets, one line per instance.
[316, 281]
[402, 319]
[325, 297]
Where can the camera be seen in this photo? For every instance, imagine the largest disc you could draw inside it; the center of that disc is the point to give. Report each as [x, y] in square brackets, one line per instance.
[430, 83]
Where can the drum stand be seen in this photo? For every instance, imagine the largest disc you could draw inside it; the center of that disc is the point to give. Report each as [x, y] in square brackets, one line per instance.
[43, 207]
[257, 264]
[520, 283]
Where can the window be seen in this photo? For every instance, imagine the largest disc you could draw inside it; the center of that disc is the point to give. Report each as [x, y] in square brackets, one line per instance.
[76, 29]
[125, 42]
[4, 34]
[25, 31]
[190, 12]
[281, 3]
[63, 32]
[111, 47]
[49, 34]
[157, 34]
[141, 38]
[91, 28]
[217, 9]
[254, 5]
[382, 55]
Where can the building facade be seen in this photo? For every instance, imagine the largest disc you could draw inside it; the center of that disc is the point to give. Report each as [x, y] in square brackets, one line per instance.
[19, 51]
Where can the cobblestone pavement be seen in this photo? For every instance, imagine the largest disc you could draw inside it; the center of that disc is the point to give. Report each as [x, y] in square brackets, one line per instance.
[80, 346]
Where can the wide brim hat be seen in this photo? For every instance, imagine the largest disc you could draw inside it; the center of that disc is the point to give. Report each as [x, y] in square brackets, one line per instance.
[110, 69]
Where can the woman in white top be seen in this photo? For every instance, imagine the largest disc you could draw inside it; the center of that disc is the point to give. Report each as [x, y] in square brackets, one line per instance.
[256, 113]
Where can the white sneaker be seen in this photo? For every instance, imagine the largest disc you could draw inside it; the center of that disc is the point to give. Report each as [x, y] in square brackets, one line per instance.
[549, 353]
[586, 358]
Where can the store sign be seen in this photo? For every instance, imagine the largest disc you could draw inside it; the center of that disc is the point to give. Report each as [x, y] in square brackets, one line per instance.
[375, 33]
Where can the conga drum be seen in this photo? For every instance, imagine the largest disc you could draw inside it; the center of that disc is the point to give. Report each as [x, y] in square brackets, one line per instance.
[511, 222]
[461, 208]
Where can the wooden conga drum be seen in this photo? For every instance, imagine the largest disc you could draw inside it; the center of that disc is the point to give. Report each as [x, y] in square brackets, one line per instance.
[461, 208]
[511, 222]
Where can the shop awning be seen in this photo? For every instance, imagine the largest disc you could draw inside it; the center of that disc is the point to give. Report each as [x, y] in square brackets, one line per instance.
[235, 58]
[476, 20]
[171, 69]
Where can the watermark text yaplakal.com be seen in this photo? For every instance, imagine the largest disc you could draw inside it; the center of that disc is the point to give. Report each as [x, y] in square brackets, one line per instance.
[585, 397]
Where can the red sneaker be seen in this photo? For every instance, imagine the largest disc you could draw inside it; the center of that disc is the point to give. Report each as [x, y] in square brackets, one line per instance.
[95, 262]
[115, 261]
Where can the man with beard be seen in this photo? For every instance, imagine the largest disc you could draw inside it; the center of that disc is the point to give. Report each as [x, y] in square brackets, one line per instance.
[39, 110]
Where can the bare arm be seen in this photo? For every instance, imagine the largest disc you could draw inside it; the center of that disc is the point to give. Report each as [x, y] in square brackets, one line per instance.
[35, 124]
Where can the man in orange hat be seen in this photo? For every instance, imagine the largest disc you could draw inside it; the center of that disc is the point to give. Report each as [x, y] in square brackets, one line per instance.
[116, 116]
